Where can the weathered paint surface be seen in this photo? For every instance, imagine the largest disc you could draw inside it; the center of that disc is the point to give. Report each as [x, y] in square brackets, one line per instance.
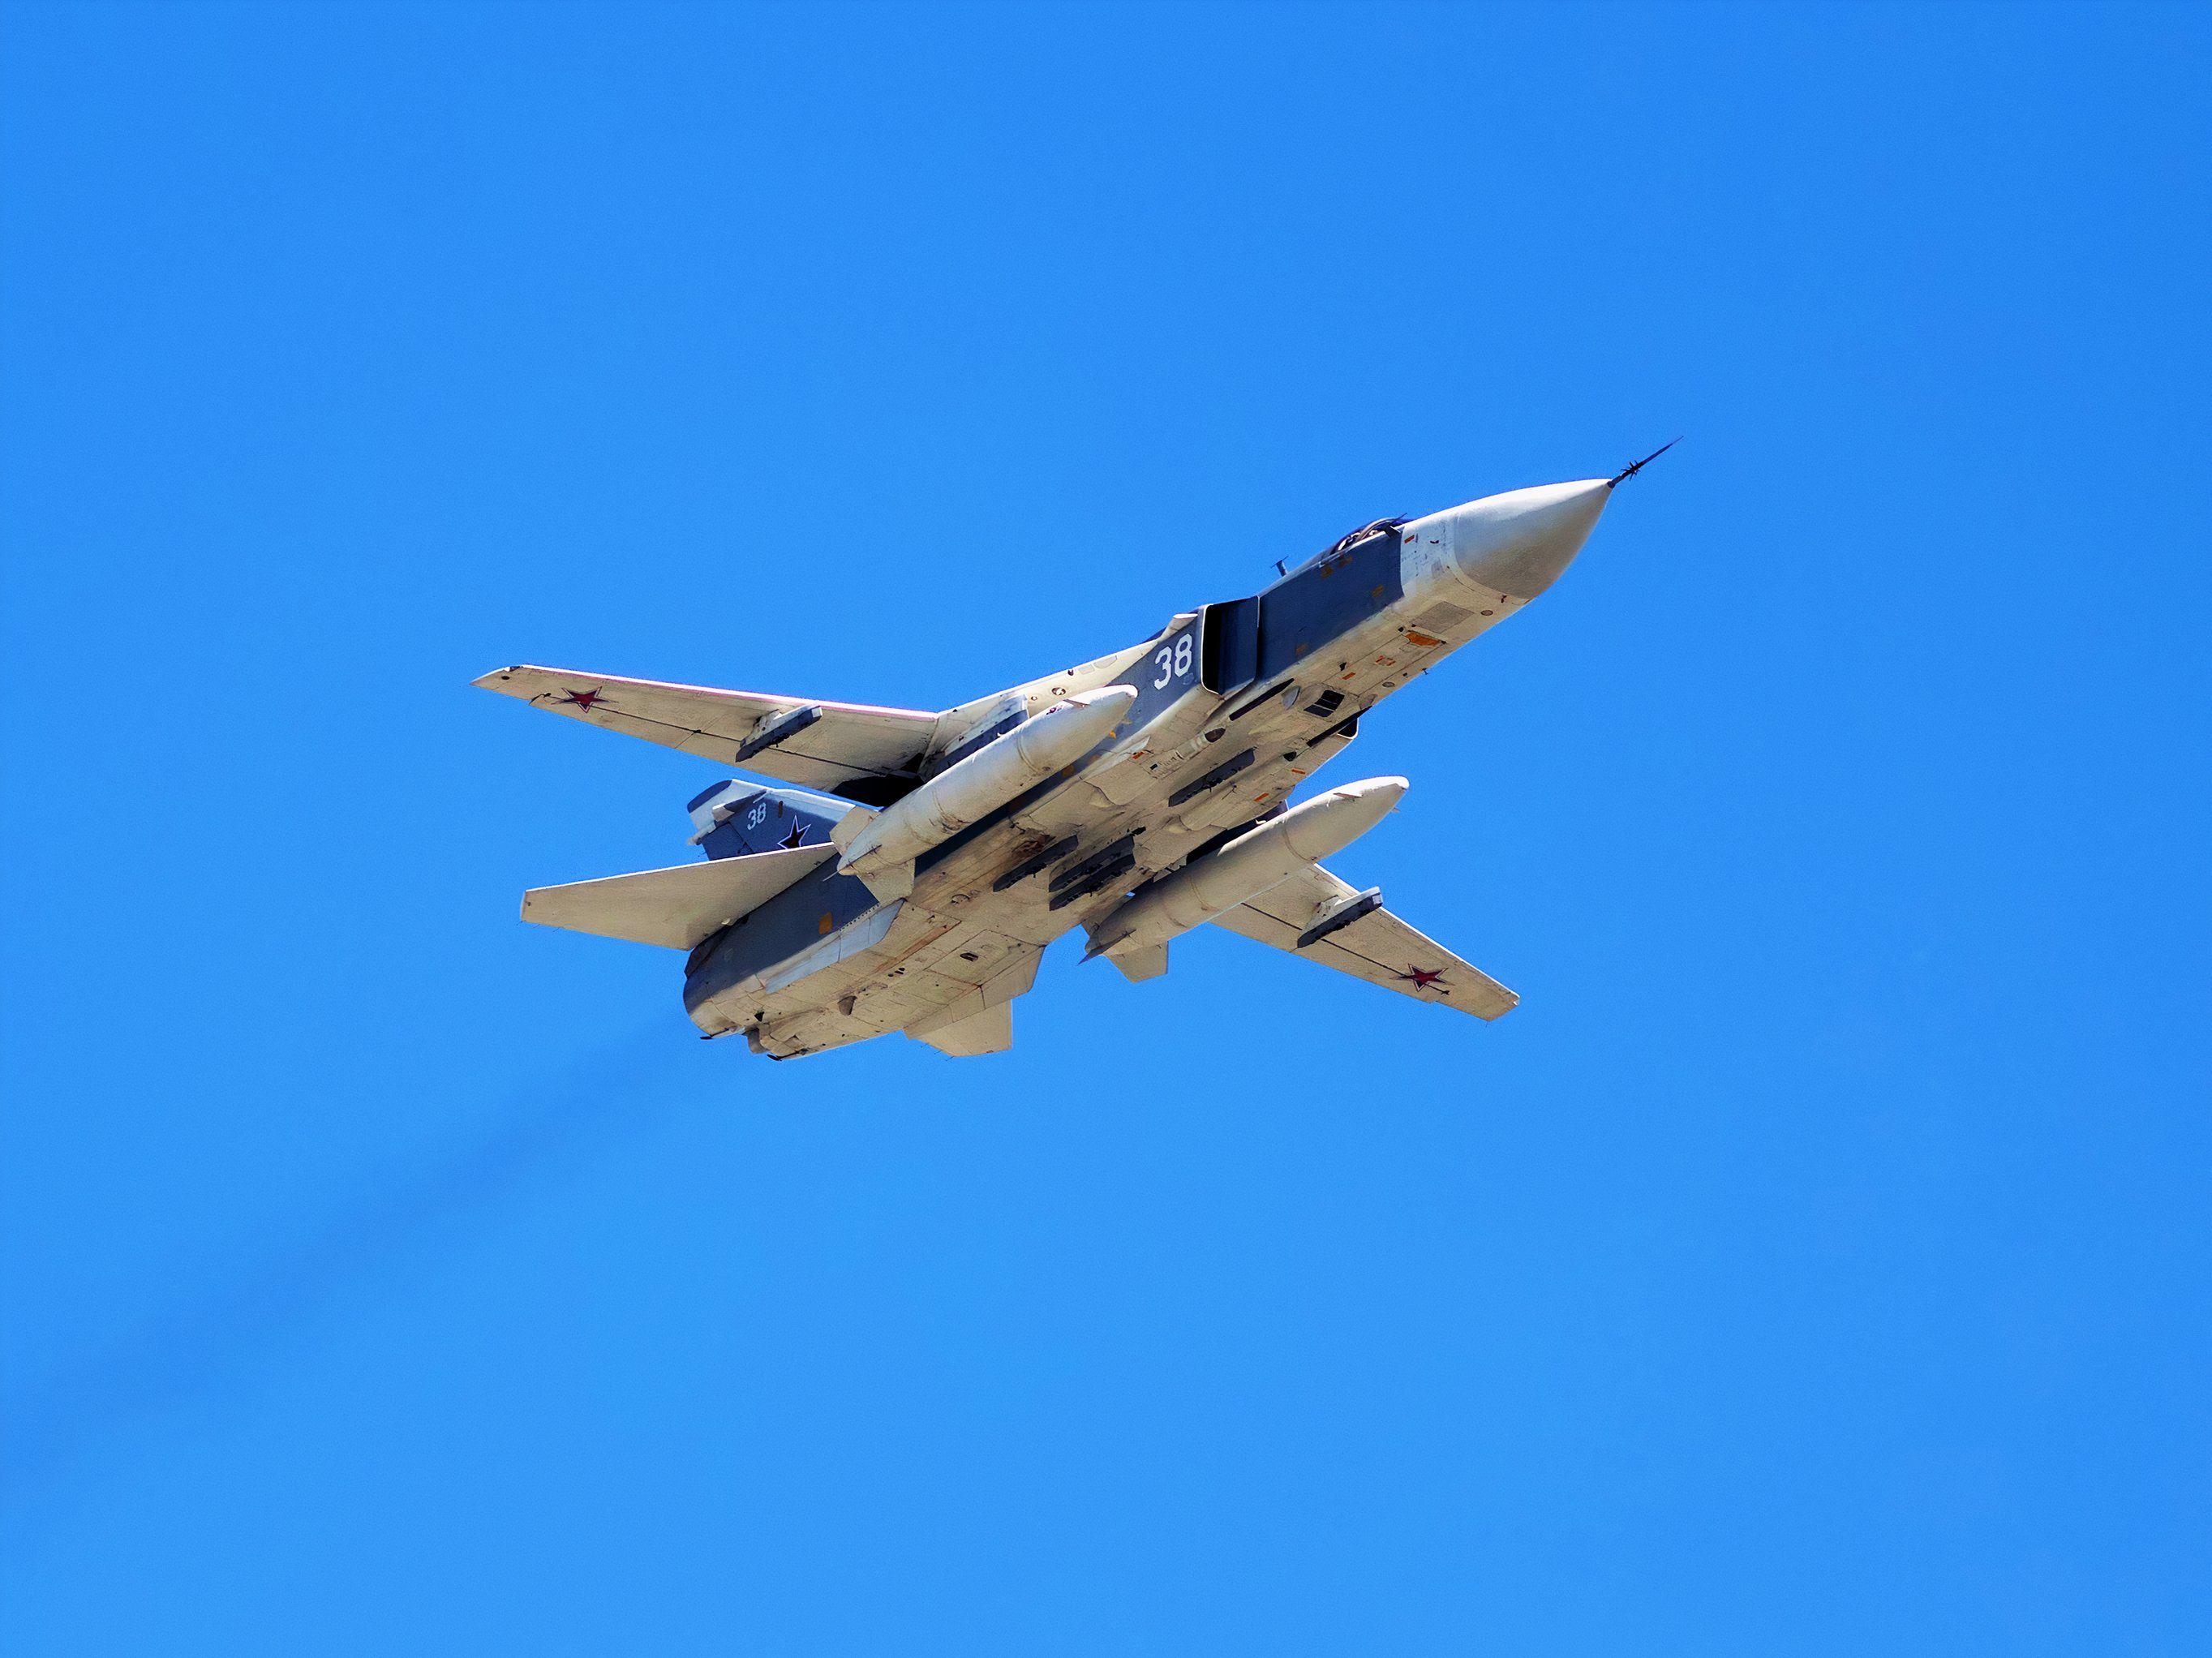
[1325, 600]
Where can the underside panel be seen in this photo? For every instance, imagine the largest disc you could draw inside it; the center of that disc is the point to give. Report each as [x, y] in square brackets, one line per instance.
[990, 1031]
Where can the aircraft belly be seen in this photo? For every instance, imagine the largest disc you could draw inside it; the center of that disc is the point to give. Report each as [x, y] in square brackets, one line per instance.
[907, 967]
[1199, 764]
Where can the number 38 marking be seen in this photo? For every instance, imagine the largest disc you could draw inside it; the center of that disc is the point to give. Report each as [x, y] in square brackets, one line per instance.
[1173, 661]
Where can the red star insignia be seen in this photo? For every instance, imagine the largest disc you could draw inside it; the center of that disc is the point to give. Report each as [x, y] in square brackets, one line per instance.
[797, 836]
[1422, 978]
[584, 700]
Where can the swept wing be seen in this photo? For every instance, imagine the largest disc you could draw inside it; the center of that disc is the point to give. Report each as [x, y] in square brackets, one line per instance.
[863, 753]
[1378, 947]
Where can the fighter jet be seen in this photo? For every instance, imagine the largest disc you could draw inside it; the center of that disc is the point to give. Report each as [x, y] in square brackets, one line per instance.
[912, 878]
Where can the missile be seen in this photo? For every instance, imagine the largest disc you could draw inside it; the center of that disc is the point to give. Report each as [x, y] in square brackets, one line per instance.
[1245, 868]
[880, 846]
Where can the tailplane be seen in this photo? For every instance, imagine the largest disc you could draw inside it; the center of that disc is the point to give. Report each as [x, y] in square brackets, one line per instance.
[675, 908]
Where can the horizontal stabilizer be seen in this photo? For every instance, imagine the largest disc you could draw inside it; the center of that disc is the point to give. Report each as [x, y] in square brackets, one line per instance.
[673, 907]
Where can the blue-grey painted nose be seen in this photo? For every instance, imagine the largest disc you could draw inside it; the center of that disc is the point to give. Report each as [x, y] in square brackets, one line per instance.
[1518, 543]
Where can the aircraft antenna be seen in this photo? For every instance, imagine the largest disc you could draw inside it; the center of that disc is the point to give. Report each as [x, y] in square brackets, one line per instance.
[1631, 470]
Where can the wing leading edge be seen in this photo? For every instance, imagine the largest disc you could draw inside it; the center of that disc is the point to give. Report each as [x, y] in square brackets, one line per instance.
[1378, 947]
[867, 754]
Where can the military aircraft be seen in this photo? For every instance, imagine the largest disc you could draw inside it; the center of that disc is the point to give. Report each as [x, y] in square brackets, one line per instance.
[913, 879]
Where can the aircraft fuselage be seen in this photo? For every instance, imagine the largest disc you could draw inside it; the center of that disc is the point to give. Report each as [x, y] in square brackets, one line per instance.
[1235, 705]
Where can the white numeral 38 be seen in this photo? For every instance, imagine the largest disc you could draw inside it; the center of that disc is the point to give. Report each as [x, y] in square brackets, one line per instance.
[1173, 662]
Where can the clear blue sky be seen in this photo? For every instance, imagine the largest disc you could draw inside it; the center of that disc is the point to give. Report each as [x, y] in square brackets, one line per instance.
[1816, 1263]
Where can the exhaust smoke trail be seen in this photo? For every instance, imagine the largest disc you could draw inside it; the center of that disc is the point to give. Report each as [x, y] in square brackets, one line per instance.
[199, 1348]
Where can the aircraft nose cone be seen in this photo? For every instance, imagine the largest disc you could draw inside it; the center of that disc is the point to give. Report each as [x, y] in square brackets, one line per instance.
[1518, 543]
